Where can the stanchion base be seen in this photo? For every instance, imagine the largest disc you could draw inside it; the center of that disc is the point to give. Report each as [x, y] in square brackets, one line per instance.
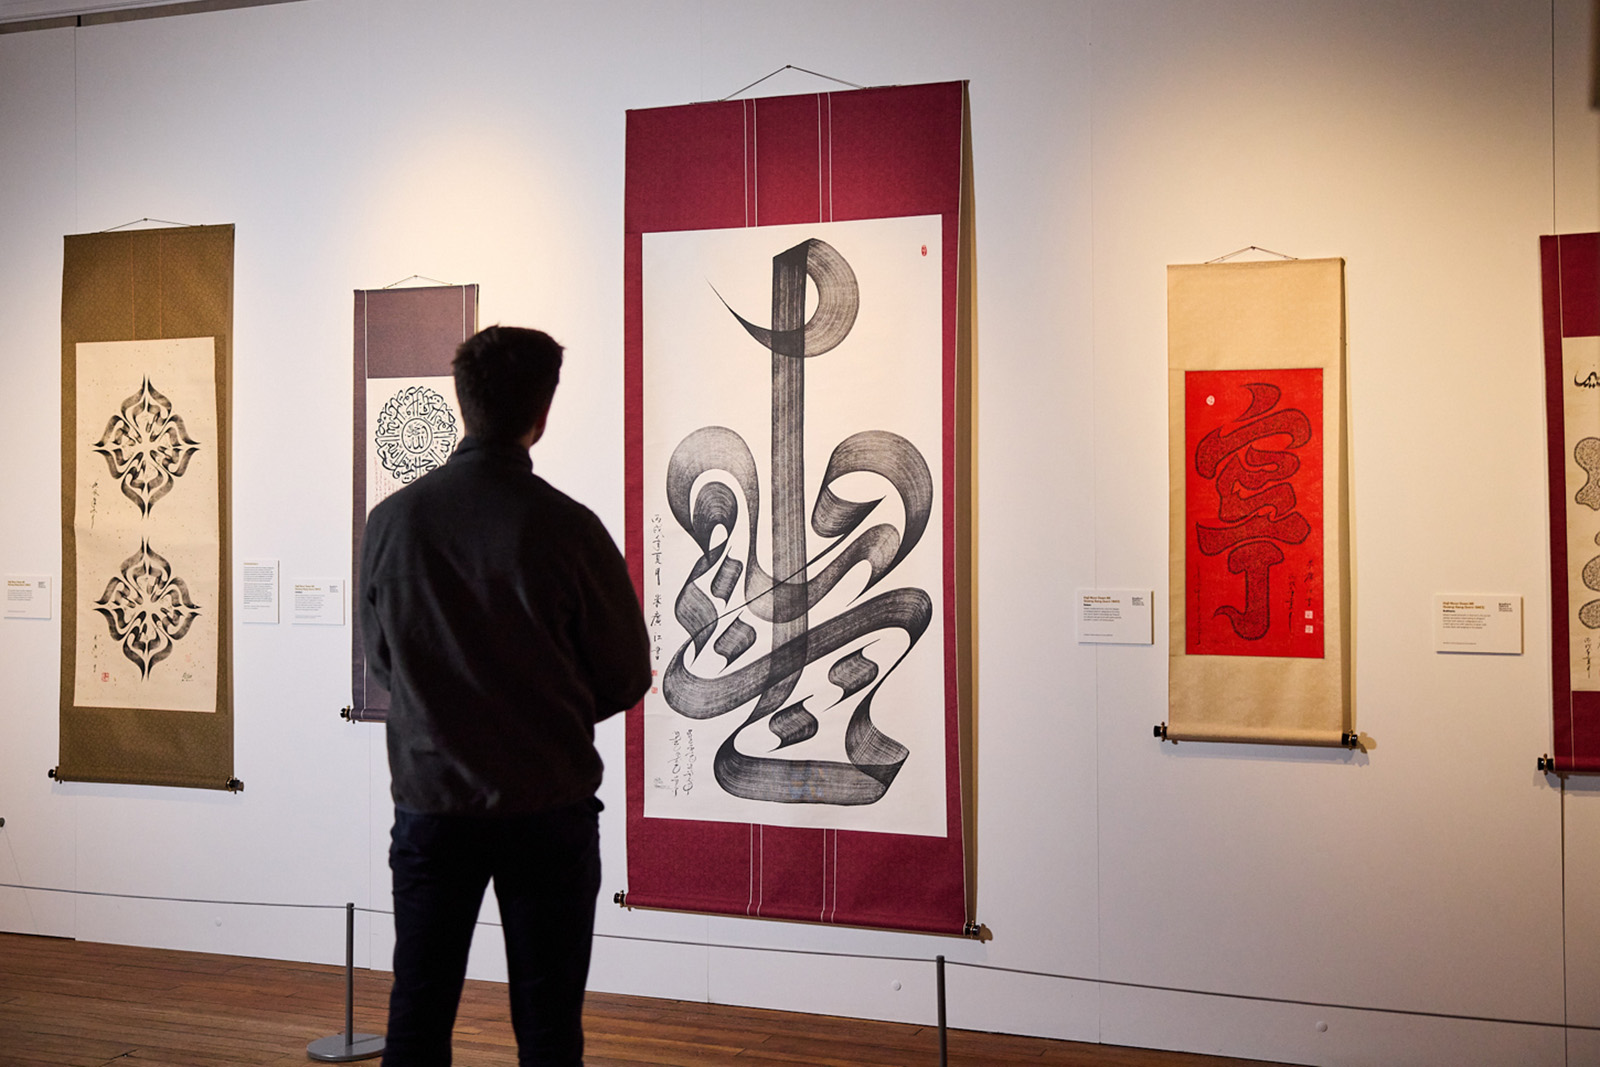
[342, 1048]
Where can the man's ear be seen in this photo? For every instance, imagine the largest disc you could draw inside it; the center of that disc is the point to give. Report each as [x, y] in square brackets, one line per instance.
[533, 435]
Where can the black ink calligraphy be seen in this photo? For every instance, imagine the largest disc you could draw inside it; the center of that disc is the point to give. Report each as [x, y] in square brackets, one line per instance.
[146, 447]
[784, 599]
[147, 608]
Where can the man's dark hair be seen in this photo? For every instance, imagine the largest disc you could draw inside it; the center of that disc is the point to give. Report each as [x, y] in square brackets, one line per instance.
[505, 377]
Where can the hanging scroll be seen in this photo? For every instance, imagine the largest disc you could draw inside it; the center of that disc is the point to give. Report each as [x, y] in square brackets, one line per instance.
[1259, 609]
[797, 389]
[146, 341]
[1571, 269]
[407, 420]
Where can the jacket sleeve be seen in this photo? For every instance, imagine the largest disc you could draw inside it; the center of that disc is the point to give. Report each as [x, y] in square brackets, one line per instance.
[611, 639]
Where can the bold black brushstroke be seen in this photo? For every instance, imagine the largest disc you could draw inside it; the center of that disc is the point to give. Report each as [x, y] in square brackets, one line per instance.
[1586, 453]
[147, 608]
[786, 596]
[792, 725]
[147, 447]
[736, 640]
[853, 673]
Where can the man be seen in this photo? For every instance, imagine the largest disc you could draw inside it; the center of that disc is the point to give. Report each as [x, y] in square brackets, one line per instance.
[499, 615]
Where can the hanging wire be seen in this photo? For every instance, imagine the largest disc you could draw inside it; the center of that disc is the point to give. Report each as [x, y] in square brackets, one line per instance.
[1249, 248]
[780, 70]
[139, 222]
[417, 278]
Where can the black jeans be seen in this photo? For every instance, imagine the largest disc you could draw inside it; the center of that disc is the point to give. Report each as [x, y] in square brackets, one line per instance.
[546, 872]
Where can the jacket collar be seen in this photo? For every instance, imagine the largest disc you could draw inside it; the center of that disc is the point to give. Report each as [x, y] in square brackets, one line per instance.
[479, 450]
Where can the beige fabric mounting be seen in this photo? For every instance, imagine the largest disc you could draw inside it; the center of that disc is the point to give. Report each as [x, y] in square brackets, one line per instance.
[1242, 316]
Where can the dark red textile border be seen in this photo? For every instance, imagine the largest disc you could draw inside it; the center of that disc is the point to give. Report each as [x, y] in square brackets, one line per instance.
[873, 153]
[1575, 765]
[399, 333]
[1570, 268]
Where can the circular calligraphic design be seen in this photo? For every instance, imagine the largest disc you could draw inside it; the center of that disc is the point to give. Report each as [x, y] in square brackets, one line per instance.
[416, 432]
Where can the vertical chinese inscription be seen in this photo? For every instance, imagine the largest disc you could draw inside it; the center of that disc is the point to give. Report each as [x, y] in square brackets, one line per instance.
[653, 609]
[1253, 501]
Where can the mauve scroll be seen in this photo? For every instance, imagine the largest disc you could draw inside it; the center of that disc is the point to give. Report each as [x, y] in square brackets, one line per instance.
[406, 419]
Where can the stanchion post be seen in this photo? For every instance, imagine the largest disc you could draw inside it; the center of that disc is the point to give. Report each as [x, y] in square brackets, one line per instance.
[342, 1048]
[944, 1033]
[349, 970]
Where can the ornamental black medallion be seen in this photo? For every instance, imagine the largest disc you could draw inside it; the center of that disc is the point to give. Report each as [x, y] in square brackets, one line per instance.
[146, 447]
[416, 432]
[147, 608]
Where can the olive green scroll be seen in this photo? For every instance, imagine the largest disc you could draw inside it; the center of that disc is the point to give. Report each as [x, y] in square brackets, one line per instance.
[146, 664]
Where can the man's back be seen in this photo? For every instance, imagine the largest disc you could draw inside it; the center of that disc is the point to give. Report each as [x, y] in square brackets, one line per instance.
[499, 614]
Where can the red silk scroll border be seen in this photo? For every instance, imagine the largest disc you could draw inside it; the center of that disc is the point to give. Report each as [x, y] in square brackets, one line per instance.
[1570, 269]
[399, 333]
[1223, 604]
[873, 153]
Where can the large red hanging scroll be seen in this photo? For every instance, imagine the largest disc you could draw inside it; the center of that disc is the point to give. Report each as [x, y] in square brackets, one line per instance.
[406, 419]
[1571, 269]
[797, 286]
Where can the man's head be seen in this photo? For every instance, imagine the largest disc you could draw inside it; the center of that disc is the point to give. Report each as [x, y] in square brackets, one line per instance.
[505, 377]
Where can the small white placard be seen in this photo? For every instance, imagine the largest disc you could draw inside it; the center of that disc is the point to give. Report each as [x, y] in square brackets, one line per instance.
[1115, 617]
[1475, 622]
[27, 596]
[319, 601]
[259, 602]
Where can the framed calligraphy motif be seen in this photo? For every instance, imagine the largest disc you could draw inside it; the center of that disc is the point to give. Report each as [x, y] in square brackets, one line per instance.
[1259, 614]
[1571, 276]
[146, 690]
[797, 471]
[406, 420]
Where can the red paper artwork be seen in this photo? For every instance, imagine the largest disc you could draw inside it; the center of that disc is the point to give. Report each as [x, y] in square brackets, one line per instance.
[1253, 500]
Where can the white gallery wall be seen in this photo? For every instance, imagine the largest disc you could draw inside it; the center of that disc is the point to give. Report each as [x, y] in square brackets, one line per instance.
[1433, 899]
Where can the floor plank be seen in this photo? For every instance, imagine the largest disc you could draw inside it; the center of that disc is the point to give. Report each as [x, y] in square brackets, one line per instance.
[77, 1004]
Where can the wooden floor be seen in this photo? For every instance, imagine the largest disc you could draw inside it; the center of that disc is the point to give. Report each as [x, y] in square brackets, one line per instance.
[77, 1004]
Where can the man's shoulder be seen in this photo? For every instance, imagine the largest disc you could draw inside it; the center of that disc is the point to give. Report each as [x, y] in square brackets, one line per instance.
[406, 498]
[576, 515]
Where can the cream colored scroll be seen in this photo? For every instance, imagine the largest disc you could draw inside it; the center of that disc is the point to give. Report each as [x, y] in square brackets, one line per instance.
[1267, 317]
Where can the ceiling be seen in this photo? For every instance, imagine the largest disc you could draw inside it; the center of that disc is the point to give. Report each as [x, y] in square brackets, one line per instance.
[22, 14]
